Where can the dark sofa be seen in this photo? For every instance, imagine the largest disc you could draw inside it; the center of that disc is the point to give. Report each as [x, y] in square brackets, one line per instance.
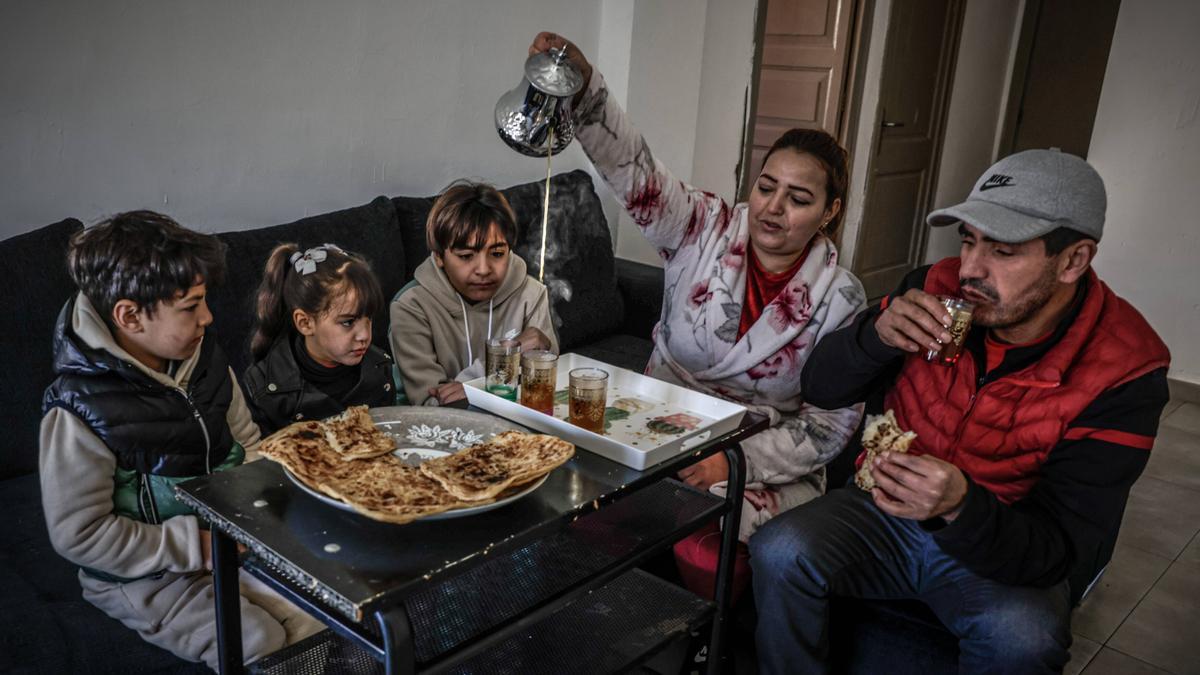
[603, 308]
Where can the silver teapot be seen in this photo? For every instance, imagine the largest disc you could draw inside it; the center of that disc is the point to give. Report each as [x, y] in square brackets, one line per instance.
[540, 104]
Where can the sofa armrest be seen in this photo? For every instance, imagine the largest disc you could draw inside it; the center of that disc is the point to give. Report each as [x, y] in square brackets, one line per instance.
[641, 287]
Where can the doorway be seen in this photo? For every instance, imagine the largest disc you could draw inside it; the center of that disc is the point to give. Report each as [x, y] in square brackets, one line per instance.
[801, 74]
[809, 74]
[1062, 54]
[921, 46]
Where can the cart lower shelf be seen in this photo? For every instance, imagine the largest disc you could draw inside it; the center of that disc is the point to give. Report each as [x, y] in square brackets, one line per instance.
[611, 630]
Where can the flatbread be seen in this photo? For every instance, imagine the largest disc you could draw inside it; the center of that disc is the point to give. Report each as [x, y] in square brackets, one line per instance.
[304, 450]
[386, 489]
[353, 435]
[382, 487]
[484, 471]
[343, 457]
[881, 434]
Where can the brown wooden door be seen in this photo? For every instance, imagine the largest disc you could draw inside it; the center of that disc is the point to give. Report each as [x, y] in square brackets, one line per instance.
[1059, 87]
[801, 80]
[918, 66]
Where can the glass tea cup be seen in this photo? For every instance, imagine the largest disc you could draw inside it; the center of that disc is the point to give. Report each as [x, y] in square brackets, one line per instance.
[502, 367]
[588, 396]
[960, 322]
[539, 374]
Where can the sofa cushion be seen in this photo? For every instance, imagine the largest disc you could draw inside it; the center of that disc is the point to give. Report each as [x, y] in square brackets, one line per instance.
[411, 213]
[580, 272]
[27, 556]
[75, 637]
[623, 351]
[369, 230]
[641, 287]
[37, 287]
[45, 624]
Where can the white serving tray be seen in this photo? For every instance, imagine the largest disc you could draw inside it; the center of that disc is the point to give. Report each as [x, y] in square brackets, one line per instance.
[692, 417]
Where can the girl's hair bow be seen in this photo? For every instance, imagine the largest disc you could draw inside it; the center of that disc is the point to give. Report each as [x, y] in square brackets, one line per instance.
[306, 263]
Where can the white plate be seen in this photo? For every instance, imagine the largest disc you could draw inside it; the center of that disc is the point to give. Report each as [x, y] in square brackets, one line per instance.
[444, 431]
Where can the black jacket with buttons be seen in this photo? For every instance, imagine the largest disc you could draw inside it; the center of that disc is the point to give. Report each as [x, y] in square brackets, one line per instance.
[278, 395]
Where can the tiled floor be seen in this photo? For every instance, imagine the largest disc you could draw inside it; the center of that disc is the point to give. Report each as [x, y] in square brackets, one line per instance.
[1144, 614]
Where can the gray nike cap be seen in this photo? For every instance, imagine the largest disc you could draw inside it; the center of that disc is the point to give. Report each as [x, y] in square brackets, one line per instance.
[1026, 195]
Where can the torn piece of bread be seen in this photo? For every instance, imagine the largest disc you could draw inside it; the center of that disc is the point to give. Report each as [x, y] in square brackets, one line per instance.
[353, 435]
[881, 434]
[485, 470]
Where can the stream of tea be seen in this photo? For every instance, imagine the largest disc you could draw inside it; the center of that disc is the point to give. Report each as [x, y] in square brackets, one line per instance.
[546, 205]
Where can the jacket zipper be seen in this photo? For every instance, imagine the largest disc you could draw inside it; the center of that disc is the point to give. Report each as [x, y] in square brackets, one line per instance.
[203, 427]
[141, 498]
[980, 382]
[962, 427]
[146, 504]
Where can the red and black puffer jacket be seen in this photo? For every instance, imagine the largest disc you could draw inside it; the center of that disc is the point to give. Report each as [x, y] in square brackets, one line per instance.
[1000, 434]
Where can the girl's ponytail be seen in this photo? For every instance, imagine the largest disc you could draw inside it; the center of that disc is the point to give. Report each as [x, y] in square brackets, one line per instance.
[272, 317]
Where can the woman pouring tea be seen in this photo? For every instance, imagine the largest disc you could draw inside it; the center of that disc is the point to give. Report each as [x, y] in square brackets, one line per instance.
[749, 290]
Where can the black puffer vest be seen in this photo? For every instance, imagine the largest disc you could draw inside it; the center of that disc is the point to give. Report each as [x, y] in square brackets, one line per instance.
[278, 395]
[150, 427]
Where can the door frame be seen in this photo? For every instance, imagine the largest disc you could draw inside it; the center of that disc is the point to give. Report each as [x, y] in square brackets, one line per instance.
[941, 106]
[744, 179]
[1020, 73]
[856, 69]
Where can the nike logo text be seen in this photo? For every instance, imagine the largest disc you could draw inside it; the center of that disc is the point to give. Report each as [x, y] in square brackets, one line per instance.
[996, 180]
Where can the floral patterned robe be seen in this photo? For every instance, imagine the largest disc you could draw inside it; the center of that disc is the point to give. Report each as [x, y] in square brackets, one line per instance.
[703, 241]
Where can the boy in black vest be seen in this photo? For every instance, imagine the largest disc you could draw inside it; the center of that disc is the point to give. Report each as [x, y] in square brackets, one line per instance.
[143, 401]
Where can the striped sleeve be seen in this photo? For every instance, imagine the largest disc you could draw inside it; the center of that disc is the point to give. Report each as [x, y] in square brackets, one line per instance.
[1068, 523]
[1140, 441]
[1121, 415]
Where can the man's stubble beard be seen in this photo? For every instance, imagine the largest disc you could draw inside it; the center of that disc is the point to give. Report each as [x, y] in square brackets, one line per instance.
[998, 316]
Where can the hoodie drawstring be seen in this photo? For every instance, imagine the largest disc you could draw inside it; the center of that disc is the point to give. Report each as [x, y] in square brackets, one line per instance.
[467, 330]
[467, 326]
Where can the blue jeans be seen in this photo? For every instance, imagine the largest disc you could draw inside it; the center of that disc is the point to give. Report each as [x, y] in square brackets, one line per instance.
[842, 544]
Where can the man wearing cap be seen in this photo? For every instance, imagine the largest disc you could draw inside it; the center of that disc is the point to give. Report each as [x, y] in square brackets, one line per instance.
[1008, 504]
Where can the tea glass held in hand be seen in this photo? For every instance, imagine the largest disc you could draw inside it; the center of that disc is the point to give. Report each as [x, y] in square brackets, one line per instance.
[539, 373]
[503, 367]
[588, 397]
[960, 322]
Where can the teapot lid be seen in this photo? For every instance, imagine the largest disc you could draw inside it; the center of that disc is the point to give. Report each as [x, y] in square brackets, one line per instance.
[553, 74]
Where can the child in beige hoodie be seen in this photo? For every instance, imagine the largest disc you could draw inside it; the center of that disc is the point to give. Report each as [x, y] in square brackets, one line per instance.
[471, 289]
[144, 400]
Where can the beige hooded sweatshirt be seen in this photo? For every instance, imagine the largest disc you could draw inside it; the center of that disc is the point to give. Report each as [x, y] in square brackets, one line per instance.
[438, 337]
[174, 611]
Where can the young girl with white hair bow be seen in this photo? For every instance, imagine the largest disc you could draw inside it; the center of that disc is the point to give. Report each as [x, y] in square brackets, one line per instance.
[312, 339]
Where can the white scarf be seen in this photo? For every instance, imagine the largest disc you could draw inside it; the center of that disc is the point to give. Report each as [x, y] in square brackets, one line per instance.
[696, 342]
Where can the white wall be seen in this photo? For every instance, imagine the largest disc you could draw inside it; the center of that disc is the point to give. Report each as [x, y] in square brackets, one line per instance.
[683, 83]
[230, 114]
[663, 94]
[726, 80]
[682, 69]
[1146, 145]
